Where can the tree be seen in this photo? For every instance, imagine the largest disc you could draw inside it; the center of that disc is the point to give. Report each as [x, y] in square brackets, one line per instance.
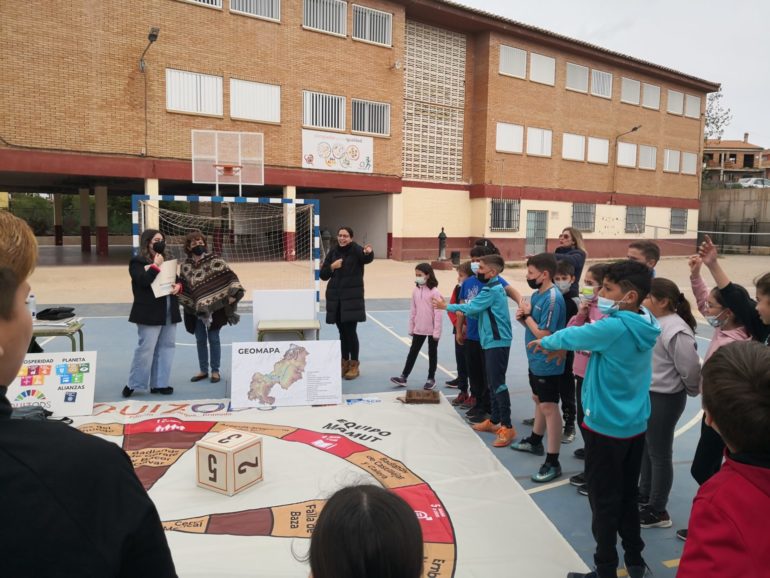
[717, 117]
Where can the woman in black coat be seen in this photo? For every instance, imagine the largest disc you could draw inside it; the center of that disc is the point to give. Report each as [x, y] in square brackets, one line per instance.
[155, 318]
[572, 248]
[344, 269]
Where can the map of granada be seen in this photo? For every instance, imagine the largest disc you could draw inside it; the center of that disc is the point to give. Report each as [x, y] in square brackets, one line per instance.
[286, 372]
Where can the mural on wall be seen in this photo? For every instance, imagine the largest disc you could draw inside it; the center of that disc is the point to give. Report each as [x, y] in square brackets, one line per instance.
[337, 152]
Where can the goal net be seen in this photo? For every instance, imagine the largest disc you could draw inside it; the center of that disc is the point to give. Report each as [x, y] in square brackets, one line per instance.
[270, 243]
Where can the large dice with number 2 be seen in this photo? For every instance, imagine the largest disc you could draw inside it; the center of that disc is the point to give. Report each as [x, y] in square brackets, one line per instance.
[229, 461]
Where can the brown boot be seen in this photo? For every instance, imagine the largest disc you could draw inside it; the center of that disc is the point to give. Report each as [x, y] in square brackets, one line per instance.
[345, 367]
[352, 372]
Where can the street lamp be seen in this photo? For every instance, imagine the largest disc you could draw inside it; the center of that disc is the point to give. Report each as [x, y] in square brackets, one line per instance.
[151, 37]
[615, 160]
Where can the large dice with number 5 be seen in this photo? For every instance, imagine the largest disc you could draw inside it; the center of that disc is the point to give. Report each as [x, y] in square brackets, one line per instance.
[229, 461]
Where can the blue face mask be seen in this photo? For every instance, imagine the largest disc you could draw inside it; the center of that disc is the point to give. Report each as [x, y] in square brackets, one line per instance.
[606, 306]
[474, 267]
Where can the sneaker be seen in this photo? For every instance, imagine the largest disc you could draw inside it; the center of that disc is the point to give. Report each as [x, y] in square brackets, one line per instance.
[429, 385]
[127, 391]
[162, 390]
[578, 479]
[469, 402]
[682, 534]
[642, 500]
[568, 436]
[400, 380]
[461, 398]
[453, 383]
[474, 410]
[638, 571]
[487, 426]
[529, 421]
[546, 473]
[649, 518]
[526, 446]
[582, 575]
[505, 435]
[580, 453]
[478, 418]
[583, 490]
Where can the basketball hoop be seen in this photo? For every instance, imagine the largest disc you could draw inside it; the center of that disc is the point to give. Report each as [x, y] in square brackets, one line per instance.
[228, 170]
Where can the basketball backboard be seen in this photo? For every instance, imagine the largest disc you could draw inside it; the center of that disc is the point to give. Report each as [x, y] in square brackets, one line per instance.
[227, 158]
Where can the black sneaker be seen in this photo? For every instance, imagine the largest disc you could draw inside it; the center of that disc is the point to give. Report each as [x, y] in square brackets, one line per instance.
[568, 436]
[578, 479]
[638, 571]
[478, 417]
[127, 391]
[530, 421]
[583, 490]
[682, 534]
[453, 383]
[580, 453]
[649, 518]
[582, 575]
[475, 410]
[526, 445]
[162, 390]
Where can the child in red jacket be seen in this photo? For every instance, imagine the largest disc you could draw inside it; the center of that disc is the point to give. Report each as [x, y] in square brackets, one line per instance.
[727, 535]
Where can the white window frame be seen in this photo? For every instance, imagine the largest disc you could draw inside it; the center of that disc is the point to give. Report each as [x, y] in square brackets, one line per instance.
[675, 102]
[370, 14]
[214, 4]
[573, 147]
[369, 112]
[691, 106]
[341, 6]
[630, 90]
[679, 215]
[626, 155]
[689, 163]
[668, 160]
[310, 97]
[577, 72]
[646, 153]
[513, 62]
[539, 141]
[204, 96]
[509, 138]
[242, 7]
[598, 150]
[542, 69]
[650, 95]
[596, 77]
[255, 101]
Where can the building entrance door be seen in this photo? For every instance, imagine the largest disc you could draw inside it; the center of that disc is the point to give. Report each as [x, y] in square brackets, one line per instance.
[537, 230]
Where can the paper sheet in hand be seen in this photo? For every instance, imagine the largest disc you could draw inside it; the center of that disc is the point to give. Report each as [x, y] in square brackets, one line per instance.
[166, 279]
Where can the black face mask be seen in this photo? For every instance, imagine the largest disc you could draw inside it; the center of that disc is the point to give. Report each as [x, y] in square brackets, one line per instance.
[480, 277]
[159, 246]
[198, 250]
[533, 284]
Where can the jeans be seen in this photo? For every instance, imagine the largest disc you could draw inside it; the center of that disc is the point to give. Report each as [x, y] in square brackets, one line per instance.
[657, 465]
[204, 336]
[612, 474]
[496, 366]
[414, 351]
[151, 366]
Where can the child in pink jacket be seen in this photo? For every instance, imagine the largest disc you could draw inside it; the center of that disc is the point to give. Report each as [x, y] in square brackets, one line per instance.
[424, 322]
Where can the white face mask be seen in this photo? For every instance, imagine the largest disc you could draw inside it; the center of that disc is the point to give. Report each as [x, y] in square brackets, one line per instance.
[474, 267]
[563, 285]
[420, 280]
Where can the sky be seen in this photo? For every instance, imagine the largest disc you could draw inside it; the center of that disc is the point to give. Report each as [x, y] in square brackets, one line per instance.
[724, 42]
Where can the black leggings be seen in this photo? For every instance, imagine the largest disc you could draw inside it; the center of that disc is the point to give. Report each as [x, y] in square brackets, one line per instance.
[414, 351]
[348, 340]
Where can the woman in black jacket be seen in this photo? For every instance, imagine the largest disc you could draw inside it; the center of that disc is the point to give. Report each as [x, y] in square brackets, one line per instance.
[344, 269]
[155, 318]
[572, 249]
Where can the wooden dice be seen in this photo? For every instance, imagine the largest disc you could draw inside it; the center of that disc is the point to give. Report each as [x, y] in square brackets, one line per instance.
[229, 461]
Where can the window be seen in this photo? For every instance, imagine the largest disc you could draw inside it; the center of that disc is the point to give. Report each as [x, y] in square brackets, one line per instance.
[505, 214]
[626, 154]
[650, 96]
[601, 83]
[635, 219]
[371, 117]
[513, 61]
[542, 69]
[510, 138]
[577, 77]
[629, 90]
[326, 16]
[678, 221]
[598, 150]
[255, 101]
[573, 147]
[647, 157]
[323, 110]
[670, 161]
[692, 106]
[584, 216]
[538, 142]
[675, 102]
[689, 163]
[372, 25]
[209, 3]
[270, 9]
[193, 92]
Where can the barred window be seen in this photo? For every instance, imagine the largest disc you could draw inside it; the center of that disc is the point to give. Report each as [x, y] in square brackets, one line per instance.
[584, 216]
[371, 117]
[269, 9]
[372, 25]
[209, 3]
[505, 214]
[635, 219]
[601, 83]
[326, 16]
[323, 110]
[678, 221]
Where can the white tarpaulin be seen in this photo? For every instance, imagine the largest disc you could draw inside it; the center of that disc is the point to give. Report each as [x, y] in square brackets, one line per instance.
[476, 519]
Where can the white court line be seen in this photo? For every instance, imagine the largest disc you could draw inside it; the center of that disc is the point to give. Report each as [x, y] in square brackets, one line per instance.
[407, 341]
[695, 420]
[550, 486]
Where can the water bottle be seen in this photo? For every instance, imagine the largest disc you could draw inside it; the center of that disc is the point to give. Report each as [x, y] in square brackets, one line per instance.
[32, 305]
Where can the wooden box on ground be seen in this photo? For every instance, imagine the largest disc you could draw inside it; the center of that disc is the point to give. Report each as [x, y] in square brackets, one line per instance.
[229, 461]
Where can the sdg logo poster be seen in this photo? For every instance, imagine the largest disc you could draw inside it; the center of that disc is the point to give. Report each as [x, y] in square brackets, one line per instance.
[63, 383]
